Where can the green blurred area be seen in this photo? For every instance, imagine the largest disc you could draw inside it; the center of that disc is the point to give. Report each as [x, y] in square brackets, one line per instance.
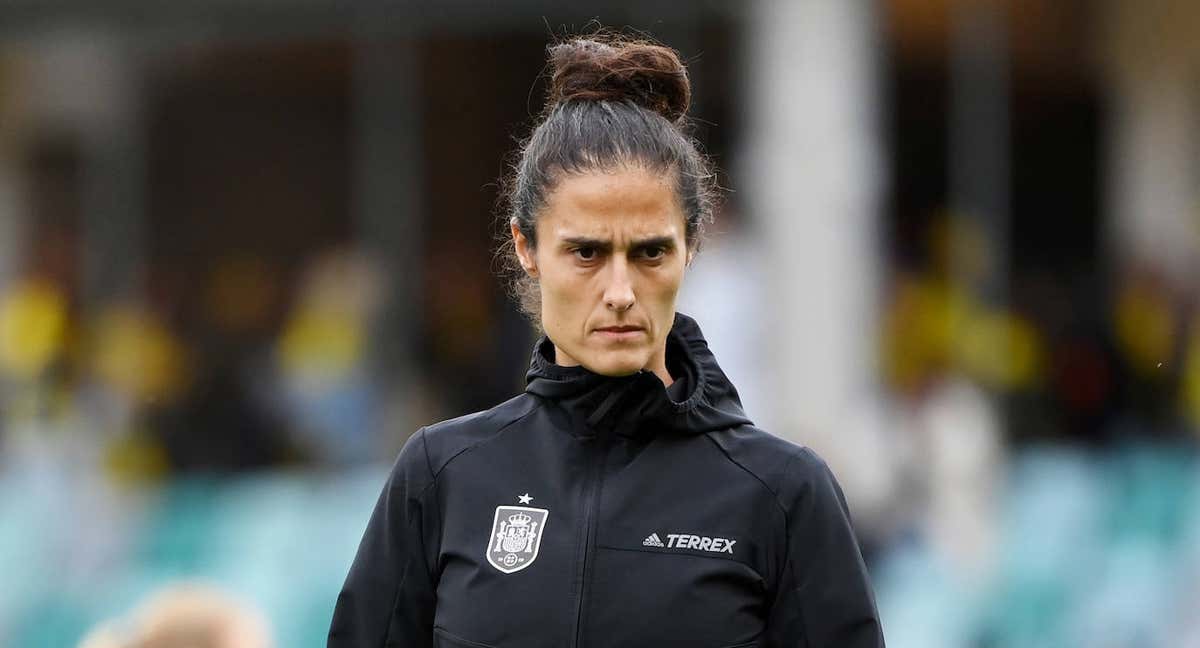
[75, 558]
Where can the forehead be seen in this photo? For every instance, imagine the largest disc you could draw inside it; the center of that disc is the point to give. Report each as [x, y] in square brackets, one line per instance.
[614, 204]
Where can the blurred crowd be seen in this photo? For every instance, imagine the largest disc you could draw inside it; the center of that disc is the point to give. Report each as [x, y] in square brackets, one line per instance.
[150, 392]
[254, 372]
[973, 378]
[1047, 470]
[1071, 359]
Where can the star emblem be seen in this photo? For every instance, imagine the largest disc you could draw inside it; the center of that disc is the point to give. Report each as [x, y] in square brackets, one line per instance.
[525, 499]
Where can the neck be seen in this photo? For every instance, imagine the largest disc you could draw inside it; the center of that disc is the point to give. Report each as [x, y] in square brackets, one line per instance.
[660, 370]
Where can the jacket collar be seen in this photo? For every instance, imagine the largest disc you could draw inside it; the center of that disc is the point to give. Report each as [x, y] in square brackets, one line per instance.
[640, 403]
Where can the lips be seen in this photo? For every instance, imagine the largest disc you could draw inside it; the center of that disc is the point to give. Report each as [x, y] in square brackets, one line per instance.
[620, 334]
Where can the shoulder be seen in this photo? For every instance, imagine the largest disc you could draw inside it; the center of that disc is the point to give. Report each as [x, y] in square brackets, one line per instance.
[787, 469]
[447, 439]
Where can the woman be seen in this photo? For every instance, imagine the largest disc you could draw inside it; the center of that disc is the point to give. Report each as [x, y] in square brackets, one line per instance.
[624, 499]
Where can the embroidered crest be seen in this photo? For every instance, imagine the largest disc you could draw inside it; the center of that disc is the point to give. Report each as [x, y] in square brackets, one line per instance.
[516, 536]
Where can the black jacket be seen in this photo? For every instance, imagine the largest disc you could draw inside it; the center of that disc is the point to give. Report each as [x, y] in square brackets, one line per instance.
[600, 511]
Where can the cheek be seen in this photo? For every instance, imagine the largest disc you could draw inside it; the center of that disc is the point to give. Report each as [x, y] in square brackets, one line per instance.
[667, 282]
[557, 297]
[561, 288]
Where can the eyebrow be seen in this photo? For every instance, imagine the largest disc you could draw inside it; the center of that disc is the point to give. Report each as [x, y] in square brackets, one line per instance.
[666, 242]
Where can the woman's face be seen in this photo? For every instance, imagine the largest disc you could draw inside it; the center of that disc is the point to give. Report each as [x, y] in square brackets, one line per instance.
[611, 252]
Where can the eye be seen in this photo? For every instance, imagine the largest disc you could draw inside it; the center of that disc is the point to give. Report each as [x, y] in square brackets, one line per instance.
[654, 253]
[585, 253]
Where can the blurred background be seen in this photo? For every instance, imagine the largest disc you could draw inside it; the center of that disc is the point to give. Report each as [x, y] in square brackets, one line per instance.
[246, 248]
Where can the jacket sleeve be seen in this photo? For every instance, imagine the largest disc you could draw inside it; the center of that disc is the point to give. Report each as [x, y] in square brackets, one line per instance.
[824, 598]
[388, 598]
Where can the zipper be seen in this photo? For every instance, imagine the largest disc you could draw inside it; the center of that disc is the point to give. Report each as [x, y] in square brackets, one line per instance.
[591, 504]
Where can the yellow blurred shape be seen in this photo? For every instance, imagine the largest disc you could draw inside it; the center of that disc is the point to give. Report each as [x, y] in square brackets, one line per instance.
[1002, 351]
[1191, 378]
[138, 355]
[321, 341]
[935, 325]
[920, 329]
[1145, 326]
[135, 457]
[33, 328]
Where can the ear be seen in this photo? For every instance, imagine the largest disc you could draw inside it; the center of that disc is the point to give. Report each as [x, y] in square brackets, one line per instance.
[525, 252]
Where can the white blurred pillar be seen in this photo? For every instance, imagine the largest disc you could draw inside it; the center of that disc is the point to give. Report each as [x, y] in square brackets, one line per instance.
[813, 181]
[1153, 56]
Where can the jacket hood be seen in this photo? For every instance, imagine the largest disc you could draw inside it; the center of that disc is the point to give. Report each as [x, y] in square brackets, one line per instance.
[702, 398]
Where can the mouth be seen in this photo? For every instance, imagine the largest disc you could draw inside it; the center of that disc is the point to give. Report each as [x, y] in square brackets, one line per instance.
[620, 332]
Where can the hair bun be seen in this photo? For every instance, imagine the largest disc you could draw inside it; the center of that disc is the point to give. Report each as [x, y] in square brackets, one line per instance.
[651, 76]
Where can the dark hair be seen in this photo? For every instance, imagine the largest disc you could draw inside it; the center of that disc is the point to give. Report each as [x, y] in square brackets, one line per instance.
[612, 102]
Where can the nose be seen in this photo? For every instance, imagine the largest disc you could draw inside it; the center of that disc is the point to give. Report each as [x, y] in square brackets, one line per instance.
[618, 294]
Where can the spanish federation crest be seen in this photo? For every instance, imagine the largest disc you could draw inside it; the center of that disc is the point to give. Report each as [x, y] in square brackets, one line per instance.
[516, 536]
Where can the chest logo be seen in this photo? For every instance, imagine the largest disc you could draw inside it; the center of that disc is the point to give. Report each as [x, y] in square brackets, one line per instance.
[516, 537]
[689, 541]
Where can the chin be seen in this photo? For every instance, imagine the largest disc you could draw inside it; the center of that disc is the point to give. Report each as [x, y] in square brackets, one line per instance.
[617, 363]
